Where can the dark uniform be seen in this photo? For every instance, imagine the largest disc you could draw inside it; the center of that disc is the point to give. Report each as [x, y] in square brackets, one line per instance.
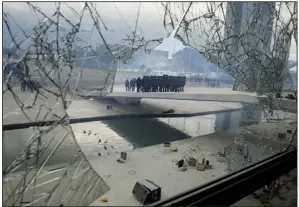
[165, 83]
[184, 83]
[145, 84]
[173, 83]
[160, 83]
[154, 83]
[134, 84]
[127, 85]
[23, 85]
[132, 88]
[138, 83]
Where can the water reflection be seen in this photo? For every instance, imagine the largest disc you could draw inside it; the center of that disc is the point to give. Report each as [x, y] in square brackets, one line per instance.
[143, 132]
[202, 125]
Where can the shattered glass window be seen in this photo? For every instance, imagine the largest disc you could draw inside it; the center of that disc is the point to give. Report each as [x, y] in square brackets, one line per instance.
[59, 56]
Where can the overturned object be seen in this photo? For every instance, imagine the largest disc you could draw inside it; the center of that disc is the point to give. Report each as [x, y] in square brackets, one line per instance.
[174, 149]
[123, 157]
[192, 161]
[104, 199]
[166, 144]
[147, 191]
[181, 165]
[200, 166]
[168, 111]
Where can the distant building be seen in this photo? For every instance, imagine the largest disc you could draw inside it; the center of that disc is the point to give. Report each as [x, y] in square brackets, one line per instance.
[249, 28]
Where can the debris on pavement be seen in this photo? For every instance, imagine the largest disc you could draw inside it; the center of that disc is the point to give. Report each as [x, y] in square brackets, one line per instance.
[104, 199]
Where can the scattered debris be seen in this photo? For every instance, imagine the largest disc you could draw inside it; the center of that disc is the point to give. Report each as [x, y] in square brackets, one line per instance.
[89, 132]
[290, 96]
[174, 149]
[120, 161]
[84, 131]
[192, 161]
[181, 164]
[168, 111]
[99, 141]
[166, 144]
[99, 154]
[213, 155]
[104, 199]
[132, 172]
[200, 167]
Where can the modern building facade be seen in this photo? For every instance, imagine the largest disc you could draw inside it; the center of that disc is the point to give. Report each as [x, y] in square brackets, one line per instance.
[249, 35]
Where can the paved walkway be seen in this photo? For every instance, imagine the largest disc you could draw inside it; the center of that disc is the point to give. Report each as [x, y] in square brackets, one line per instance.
[191, 93]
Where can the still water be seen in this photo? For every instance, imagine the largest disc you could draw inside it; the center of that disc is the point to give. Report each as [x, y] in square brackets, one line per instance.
[140, 132]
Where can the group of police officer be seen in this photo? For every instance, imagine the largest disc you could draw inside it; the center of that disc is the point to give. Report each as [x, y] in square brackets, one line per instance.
[163, 83]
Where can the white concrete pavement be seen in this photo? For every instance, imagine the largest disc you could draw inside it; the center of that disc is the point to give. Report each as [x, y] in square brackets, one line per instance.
[191, 93]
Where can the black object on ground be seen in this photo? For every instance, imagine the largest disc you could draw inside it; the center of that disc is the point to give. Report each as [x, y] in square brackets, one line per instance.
[146, 191]
[168, 111]
[180, 163]
[166, 144]
[207, 163]
[290, 96]
[120, 161]
[123, 155]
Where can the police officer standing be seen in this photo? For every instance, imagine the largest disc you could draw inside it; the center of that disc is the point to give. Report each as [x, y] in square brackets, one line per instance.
[131, 84]
[134, 84]
[138, 82]
[127, 85]
[22, 85]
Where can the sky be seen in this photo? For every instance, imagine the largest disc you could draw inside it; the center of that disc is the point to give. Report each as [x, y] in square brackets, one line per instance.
[119, 18]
